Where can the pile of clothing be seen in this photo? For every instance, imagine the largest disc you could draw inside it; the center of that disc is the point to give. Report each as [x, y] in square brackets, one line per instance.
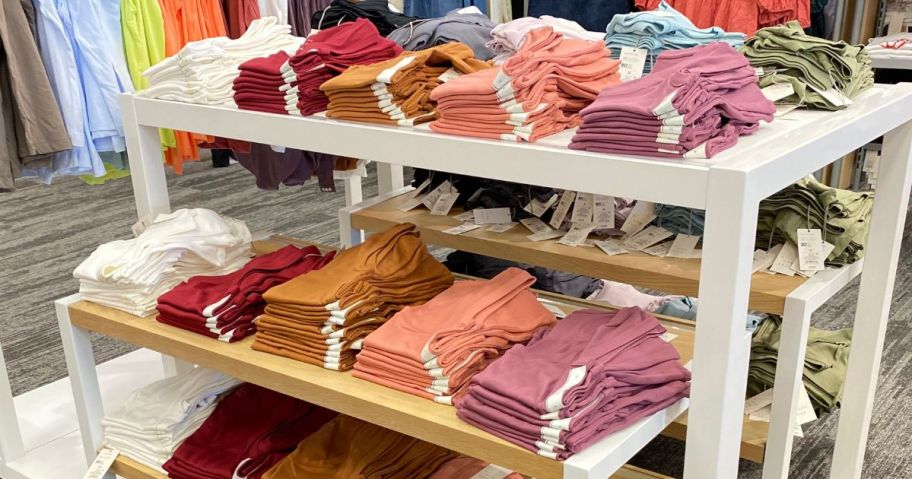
[157, 418]
[825, 363]
[695, 103]
[507, 38]
[660, 30]
[289, 84]
[897, 46]
[686, 307]
[203, 71]
[471, 27]
[131, 274]
[679, 219]
[433, 350]
[843, 217]
[319, 317]
[824, 74]
[398, 91]
[346, 447]
[377, 12]
[744, 16]
[224, 307]
[539, 91]
[479, 266]
[251, 429]
[595, 373]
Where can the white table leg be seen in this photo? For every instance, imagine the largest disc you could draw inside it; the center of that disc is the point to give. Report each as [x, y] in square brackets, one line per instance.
[77, 346]
[721, 352]
[894, 177]
[796, 321]
[11, 447]
[389, 177]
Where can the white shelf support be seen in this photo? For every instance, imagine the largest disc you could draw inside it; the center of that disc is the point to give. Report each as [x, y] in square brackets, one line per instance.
[11, 446]
[390, 177]
[720, 351]
[874, 298]
[150, 190]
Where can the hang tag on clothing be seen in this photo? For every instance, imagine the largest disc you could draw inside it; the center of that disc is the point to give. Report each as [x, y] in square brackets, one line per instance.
[833, 96]
[431, 198]
[492, 216]
[420, 189]
[492, 471]
[642, 213]
[782, 110]
[102, 463]
[632, 62]
[696, 254]
[871, 162]
[660, 250]
[683, 246]
[546, 235]
[647, 238]
[783, 262]
[535, 225]
[538, 208]
[466, 217]
[810, 250]
[668, 337]
[760, 401]
[444, 204]
[796, 265]
[603, 211]
[412, 203]
[501, 228]
[554, 309]
[563, 207]
[463, 228]
[611, 247]
[449, 75]
[763, 259]
[778, 91]
[582, 209]
[139, 227]
[577, 235]
[758, 71]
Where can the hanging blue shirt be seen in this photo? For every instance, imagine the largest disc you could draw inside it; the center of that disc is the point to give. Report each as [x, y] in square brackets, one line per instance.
[439, 8]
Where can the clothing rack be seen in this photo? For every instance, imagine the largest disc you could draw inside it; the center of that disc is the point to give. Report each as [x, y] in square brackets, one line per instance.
[728, 187]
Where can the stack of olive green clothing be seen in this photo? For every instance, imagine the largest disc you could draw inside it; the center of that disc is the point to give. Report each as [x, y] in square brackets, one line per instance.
[810, 64]
[824, 365]
[811, 204]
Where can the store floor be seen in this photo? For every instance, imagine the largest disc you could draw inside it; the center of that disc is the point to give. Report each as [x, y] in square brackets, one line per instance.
[46, 231]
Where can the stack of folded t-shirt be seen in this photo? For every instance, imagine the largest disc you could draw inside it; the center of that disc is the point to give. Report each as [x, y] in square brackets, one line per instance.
[377, 12]
[433, 350]
[539, 91]
[290, 83]
[319, 317]
[131, 274]
[157, 418]
[592, 374]
[203, 71]
[695, 103]
[398, 91]
[251, 429]
[824, 74]
[660, 30]
[891, 47]
[508, 37]
[468, 26]
[224, 307]
[346, 448]
[843, 216]
[679, 219]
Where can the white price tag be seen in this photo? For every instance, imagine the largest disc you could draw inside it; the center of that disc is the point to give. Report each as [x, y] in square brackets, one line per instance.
[660, 250]
[778, 91]
[871, 161]
[492, 216]
[139, 227]
[762, 260]
[501, 228]
[783, 262]
[758, 71]
[647, 238]
[444, 204]
[463, 228]
[582, 209]
[535, 225]
[683, 246]
[423, 186]
[758, 402]
[611, 248]
[810, 250]
[546, 235]
[577, 235]
[833, 96]
[642, 213]
[466, 217]
[782, 110]
[431, 198]
[555, 310]
[603, 211]
[449, 75]
[412, 203]
[563, 207]
[668, 337]
[102, 463]
[538, 208]
[632, 62]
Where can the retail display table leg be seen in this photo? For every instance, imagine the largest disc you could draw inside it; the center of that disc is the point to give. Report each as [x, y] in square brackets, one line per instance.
[11, 446]
[875, 295]
[390, 177]
[721, 353]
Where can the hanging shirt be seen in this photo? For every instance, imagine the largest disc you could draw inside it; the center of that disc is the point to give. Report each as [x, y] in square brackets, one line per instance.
[275, 8]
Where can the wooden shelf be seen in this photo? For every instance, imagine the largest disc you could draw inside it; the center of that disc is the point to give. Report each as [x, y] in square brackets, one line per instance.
[672, 275]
